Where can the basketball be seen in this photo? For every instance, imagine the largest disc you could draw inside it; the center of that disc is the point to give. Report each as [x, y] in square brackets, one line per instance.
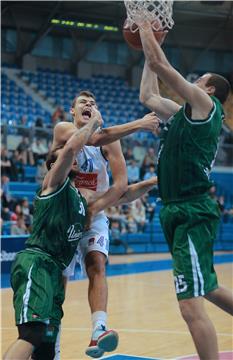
[133, 38]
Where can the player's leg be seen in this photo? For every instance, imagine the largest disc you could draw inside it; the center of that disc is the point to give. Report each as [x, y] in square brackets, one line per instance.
[94, 252]
[30, 337]
[31, 302]
[200, 327]
[191, 243]
[49, 344]
[195, 262]
[223, 298]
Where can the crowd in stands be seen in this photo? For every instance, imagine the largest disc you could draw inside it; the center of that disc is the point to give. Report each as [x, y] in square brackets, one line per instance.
[17, 213]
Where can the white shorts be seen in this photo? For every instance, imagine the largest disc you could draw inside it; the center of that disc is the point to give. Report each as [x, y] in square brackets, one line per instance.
[95, 239]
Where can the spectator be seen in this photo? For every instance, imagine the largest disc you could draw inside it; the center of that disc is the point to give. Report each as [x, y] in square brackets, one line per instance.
[26, 212]
[150, 172]
[41, 171]
[39, 124]
[5, 188]
[7, 167]
[128, 155]
[115, 213]
[23, 130]
[16, 213]
[39, 149]
[133, 172]
[139, 214]
[58, 115]
[17, 160]
[131, 224]
[25, 152]
[116, 233]
[19, 228]
[149, 206]
[149, 159]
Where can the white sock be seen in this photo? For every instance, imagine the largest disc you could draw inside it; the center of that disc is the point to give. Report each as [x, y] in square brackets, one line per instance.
[99, 318]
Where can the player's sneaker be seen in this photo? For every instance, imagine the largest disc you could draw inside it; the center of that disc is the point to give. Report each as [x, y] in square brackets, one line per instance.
[102, 340]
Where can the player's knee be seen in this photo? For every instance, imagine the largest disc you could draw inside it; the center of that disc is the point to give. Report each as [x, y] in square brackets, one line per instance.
[192, 309]
[32, 332]
[95, 264]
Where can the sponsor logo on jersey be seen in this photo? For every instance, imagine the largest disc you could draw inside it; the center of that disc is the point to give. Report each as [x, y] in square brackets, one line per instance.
[73, 235]
[86, 180]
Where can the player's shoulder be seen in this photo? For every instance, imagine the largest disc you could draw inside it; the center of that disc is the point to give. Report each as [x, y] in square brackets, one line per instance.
[64, 125]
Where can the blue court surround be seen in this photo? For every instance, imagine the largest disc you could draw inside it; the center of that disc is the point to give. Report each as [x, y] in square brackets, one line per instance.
[133, 268]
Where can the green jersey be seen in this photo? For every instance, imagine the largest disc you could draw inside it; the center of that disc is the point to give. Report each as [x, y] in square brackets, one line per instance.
[186, 155]
[58, 223]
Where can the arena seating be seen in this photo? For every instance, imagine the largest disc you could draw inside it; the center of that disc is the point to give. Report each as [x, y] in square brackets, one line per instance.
[15, 103]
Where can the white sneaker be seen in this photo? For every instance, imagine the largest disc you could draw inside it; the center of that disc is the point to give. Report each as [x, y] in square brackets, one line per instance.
[102, 340]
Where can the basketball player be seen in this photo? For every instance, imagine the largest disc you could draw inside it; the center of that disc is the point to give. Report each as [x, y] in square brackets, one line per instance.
[36, 276]
[189, 217]
[93, 247]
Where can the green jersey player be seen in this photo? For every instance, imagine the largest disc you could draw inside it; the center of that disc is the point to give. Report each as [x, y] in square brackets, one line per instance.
[189, 217]
[36, 275]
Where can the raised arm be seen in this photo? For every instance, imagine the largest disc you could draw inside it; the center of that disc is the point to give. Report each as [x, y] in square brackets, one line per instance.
[104, 136]
[151, 98]
[200, 102]
[108, 135]
[65, 156]
[135, 191]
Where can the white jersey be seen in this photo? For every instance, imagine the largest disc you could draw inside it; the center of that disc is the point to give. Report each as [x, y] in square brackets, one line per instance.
[93, 174]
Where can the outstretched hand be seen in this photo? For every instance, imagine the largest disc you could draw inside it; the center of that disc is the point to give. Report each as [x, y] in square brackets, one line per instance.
[150, 122]
[155, 26]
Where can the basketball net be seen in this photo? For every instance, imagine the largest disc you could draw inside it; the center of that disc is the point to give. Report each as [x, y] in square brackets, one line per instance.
[159, 13]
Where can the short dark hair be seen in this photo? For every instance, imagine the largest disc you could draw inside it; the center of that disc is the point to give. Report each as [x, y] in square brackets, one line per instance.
[52, 157]
[222, 86]
[84, 93]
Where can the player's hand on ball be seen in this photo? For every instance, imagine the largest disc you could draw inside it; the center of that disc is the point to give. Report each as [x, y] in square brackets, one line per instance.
[150, 122]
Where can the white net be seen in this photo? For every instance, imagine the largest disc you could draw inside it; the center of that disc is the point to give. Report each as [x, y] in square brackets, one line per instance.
[159, 13]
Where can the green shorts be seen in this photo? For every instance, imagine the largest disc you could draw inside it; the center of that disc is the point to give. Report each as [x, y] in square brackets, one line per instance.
[190, 228]
[38, 289]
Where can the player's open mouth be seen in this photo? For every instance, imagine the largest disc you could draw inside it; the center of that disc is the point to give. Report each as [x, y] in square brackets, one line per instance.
[86, 114]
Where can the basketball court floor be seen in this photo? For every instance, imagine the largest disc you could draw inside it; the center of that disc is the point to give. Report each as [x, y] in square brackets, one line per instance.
[142, 308]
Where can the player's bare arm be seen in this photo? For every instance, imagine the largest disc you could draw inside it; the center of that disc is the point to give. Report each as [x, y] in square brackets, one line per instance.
[66, 156]
[151, 98]
[113, 153]
[135, 191]
[199, 101]
[105, 136]
[61, 133]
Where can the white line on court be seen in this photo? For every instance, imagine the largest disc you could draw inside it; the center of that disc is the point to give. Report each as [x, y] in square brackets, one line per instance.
[133, 331]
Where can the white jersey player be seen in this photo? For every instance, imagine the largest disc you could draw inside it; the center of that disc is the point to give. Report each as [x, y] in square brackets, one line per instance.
[92, 251]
